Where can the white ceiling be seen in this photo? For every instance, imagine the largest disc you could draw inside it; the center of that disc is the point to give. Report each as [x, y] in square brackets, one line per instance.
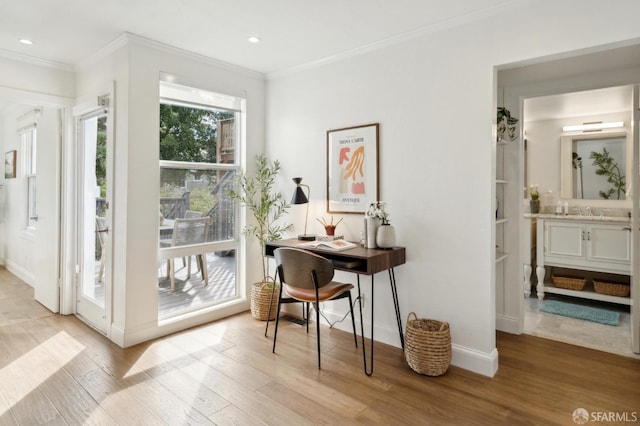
[293, 32]
[578, 104]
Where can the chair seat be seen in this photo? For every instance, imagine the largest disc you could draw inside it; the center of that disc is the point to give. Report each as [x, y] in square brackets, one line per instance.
[329, 291]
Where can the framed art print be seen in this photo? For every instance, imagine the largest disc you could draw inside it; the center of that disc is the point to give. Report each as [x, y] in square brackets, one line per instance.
[10, 164]
[352, 168]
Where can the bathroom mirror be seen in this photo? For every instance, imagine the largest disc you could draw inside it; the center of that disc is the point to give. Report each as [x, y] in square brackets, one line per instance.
[594, 166]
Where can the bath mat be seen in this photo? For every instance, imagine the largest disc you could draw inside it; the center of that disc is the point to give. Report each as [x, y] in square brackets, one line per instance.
[587, 313]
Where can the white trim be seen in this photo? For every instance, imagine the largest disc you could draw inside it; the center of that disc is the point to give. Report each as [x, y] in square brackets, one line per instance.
[508, 324]
[129, 38]
[470, 359]
[17, 270]
[35, 61]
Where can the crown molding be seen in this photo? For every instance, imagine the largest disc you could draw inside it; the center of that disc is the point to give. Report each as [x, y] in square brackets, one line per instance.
[19, 57]
[133, 39]
[404, 37]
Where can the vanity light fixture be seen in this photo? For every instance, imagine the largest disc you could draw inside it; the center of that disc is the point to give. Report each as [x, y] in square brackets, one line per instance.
[593, 126]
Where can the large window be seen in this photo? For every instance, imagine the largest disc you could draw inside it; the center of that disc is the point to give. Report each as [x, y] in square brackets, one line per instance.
[199, 145]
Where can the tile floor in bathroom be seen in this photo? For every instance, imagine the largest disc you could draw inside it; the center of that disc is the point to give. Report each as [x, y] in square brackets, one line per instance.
[607, 338]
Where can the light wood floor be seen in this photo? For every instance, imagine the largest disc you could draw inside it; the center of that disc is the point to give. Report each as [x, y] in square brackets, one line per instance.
[55, 370]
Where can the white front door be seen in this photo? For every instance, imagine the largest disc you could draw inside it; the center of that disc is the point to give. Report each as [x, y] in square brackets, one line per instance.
[94, 217]
[47, 208]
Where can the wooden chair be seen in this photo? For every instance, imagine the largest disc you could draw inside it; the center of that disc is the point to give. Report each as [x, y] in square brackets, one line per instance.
[307, 277]
[188, 232]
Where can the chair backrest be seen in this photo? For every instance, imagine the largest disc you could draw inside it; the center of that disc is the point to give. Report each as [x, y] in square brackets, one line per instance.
[101, 227]
[190, 214]
[190, 231]
[296, 265]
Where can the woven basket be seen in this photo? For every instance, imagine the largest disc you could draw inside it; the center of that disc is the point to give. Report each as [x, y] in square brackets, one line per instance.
[260, 298]
[570, 283]
[612, 289]
[427, 345]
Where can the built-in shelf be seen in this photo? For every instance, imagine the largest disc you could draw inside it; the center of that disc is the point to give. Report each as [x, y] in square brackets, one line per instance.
[503, 142]
[501, 181]
[586, 294]
[501, 220]
[500, 256]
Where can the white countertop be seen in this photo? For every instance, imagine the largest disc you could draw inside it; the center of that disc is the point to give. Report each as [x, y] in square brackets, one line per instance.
[595, 218]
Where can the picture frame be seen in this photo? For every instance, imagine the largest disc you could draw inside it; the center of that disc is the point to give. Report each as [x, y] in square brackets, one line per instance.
[10, 164]
[352, 168]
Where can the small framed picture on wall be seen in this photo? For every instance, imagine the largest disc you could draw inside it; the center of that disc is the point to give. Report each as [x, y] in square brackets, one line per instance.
[10, 164]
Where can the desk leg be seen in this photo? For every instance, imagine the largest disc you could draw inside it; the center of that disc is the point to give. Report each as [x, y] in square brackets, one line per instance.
[364, 347]
[396, 305]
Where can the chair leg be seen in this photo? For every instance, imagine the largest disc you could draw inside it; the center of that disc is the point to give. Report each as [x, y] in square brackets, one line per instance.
[307, 305]
[317, 307]
[353, 321]
[275, 333]
[172, 274]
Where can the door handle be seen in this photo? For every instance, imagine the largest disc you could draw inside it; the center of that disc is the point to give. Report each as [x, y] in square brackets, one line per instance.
[34, 218]
[102, 230]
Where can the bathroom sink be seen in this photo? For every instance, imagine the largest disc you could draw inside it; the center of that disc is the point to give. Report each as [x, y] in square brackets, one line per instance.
[583, 217]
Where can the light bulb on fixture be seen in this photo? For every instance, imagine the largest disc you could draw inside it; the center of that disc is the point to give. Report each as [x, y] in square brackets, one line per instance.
[25, 41]
[254, 39]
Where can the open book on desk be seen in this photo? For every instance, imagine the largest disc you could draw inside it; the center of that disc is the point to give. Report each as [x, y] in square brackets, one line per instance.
[336, 245]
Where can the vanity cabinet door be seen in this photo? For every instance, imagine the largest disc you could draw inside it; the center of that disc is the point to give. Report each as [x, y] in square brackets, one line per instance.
[608, 243]
[564, 239]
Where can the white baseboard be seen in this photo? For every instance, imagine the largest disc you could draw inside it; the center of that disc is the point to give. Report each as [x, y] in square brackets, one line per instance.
[508, 324]
[20, 272]
[152, 330]
[478, 362]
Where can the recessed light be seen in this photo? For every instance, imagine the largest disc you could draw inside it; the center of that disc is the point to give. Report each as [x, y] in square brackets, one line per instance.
[26, 41]
[254, 39]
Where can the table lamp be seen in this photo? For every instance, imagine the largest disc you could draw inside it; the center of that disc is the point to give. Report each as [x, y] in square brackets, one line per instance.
[299, 197]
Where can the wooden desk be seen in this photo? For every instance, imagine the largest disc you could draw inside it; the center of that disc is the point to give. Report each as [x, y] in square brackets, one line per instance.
[361, 261]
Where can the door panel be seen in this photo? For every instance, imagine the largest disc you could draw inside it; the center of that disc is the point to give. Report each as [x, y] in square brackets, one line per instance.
[47, 208]
[94, 224]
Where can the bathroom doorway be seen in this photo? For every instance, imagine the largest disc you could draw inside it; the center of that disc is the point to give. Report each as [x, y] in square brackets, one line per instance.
[605, 78]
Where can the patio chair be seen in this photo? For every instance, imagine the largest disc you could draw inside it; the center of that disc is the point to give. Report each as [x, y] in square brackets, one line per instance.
[101, 230]
[188, 232]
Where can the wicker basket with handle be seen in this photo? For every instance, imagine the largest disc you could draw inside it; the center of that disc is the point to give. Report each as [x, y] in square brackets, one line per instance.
[427, 345]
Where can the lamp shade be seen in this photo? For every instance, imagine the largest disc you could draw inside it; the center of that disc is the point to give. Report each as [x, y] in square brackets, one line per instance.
[299, 197]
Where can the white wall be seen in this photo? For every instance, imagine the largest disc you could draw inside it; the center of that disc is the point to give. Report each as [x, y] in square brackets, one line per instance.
[433, 97]
[24, 86]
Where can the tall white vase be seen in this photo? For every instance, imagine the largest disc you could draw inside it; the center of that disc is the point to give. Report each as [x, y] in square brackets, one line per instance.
[386, 236]
[370, 229]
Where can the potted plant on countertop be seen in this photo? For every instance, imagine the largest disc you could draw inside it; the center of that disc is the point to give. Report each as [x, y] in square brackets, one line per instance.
[267, 207]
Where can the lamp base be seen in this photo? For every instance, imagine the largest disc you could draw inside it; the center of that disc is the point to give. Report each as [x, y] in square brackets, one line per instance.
[306, 237]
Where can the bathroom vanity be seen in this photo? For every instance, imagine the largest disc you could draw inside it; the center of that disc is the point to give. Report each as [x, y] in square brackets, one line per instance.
[583, 243]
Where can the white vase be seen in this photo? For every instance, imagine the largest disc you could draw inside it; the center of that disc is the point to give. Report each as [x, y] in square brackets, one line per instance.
[370, 230]
[386, 236]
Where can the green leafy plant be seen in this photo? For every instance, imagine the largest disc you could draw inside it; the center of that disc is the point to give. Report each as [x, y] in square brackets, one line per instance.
[607, 166]
[506, 125]
[267, 207]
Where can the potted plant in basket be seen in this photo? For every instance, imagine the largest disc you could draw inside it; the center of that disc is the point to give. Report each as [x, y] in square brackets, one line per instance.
[267, 207]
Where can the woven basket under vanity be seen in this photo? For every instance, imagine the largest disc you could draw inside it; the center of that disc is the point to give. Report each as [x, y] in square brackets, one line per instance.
[612, 289]
[569, 283]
